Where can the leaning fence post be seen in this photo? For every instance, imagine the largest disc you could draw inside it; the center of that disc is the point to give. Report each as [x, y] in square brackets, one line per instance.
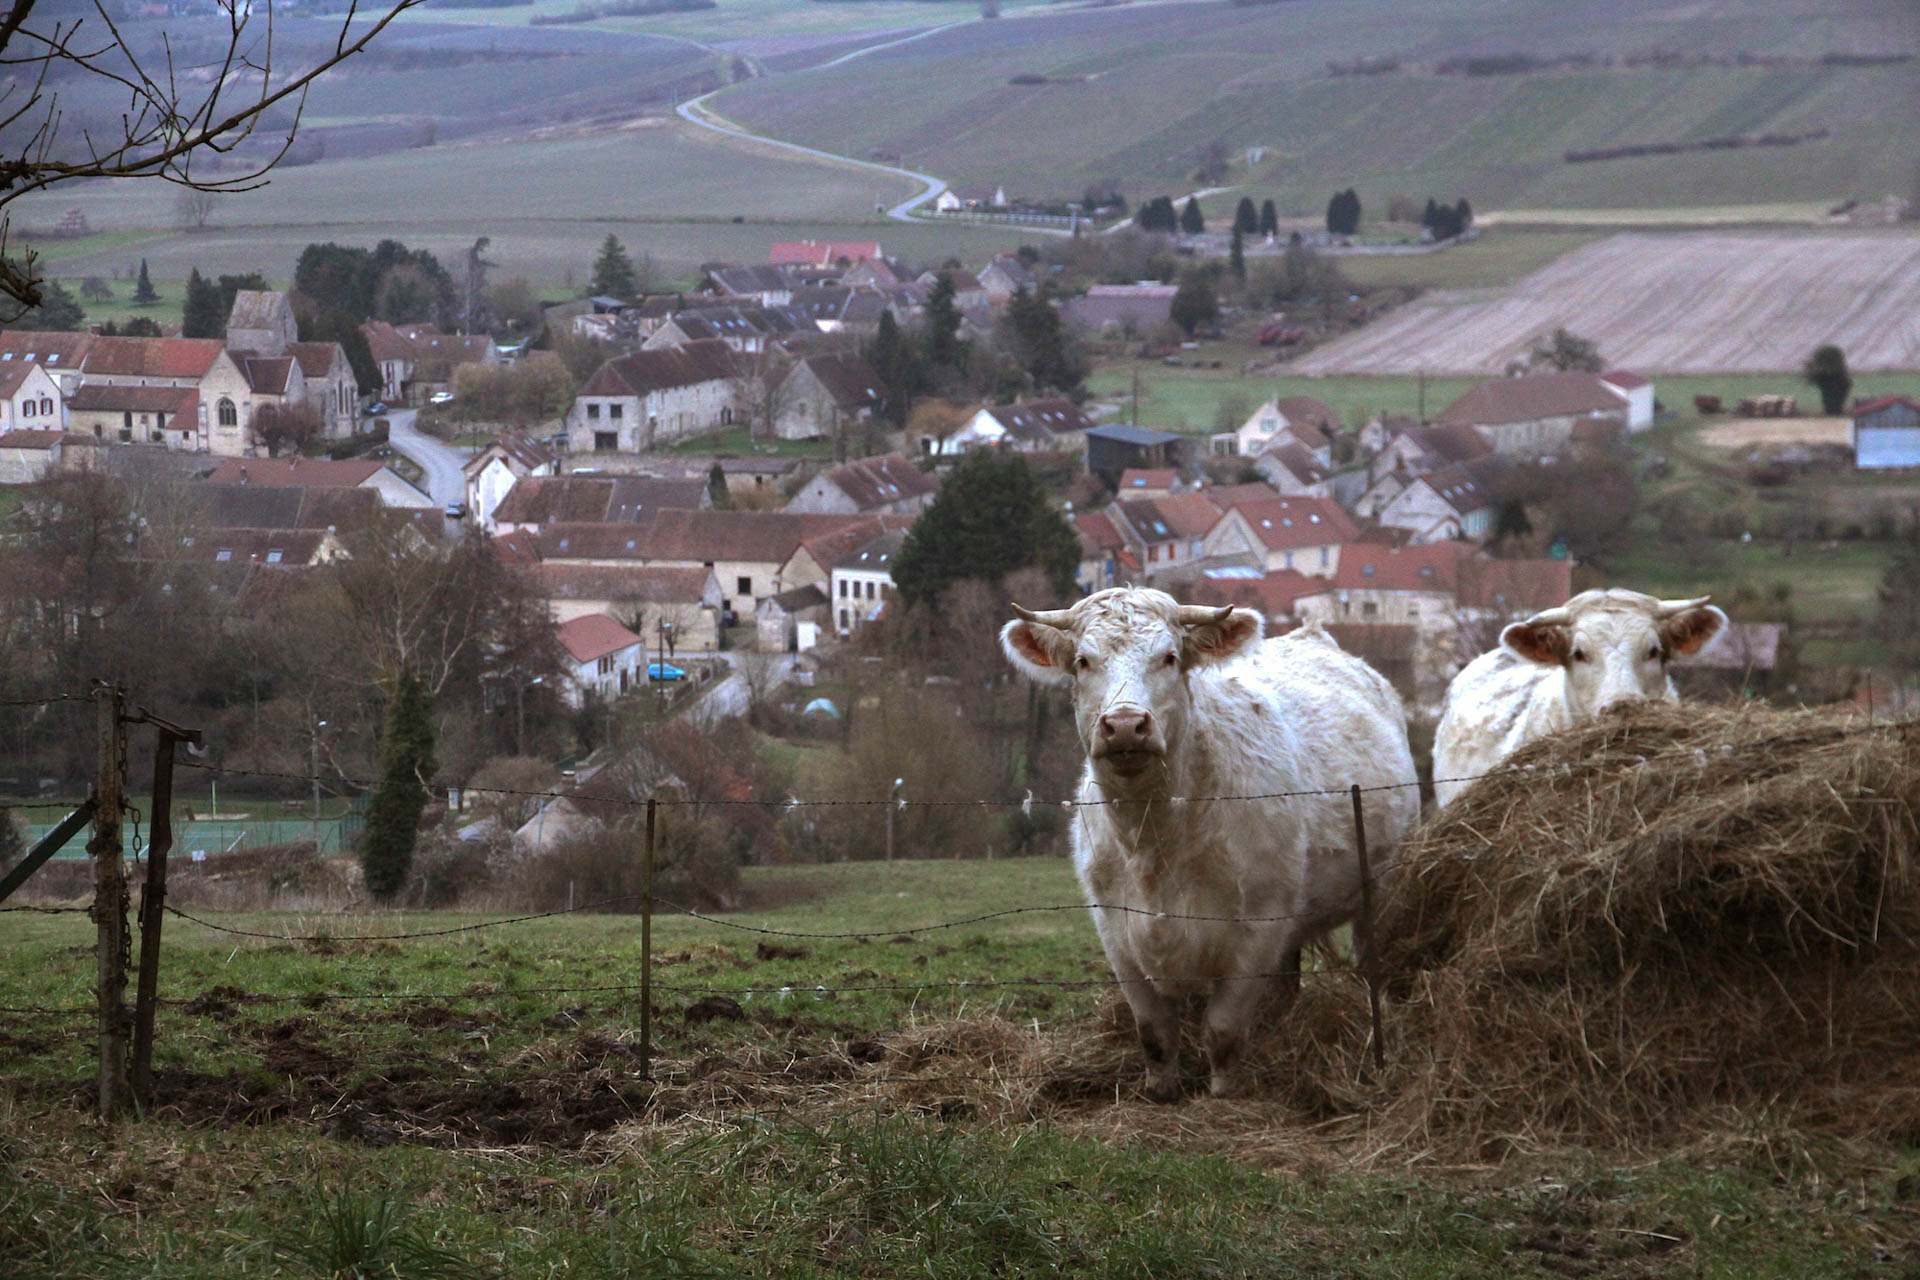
[152, 902]
[646, 949]
[111, 939]
[1370, 958]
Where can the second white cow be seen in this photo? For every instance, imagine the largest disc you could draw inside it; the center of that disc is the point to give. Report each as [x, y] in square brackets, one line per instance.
[1560, 668]
[1204, 878]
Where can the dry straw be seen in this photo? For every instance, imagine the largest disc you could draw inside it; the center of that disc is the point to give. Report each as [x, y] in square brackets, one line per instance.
[1652, 928]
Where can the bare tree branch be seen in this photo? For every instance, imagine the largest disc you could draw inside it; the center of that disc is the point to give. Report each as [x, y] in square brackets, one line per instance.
[166, 123]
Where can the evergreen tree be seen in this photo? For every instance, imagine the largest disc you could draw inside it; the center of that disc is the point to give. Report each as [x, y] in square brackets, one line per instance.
[1269, 219]
[613, 270]
[1237, 254]
[1826, 369]
[1246, 219]
[141, 327]
[393, 813]
[1464, 212]
[1194, 302]
[992, 516]
[143, 292]
[58, 312]
[200, 315]
[945, 352]
[897, 362]
[1431, 213]
[1038, 341]
[1192, 221]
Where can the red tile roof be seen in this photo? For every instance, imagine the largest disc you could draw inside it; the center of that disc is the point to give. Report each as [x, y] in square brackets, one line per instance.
[1097, 534]
[55, 350]
[268, 375]
[652, 584]
[1625, 379]
[761, 537]
[823, 251]
[1282, 524]
[30, 439]
[643, 372]
[1273, 594]
[1433, 567]
[872, 483]
[1161, 478]
[1884, 402]
[594, 635]
[311, 472]
[153, 357]
[1181, 515]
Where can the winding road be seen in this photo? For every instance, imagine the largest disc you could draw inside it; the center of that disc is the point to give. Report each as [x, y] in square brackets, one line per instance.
[695, 111]
[439, 464]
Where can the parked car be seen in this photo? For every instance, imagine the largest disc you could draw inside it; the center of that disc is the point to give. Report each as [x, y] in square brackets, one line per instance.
[664, 671]
[440, 397]
[456, 510]
[378, 406]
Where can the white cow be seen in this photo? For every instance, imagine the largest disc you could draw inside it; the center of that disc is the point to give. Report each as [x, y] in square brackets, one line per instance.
[1559, 669]
[1180, 708]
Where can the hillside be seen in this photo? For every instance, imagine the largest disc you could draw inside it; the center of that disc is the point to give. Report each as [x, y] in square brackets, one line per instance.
[1139, 94]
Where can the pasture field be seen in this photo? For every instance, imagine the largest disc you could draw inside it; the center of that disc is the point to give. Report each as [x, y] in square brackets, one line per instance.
[472, 1131]
[1254, 80]
[1687, 304]
[1497, 256]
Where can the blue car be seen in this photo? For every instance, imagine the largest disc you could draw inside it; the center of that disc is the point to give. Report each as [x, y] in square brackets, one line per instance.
[664, 671]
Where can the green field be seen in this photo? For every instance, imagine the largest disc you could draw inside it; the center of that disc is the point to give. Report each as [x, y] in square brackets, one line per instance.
[1255, 78]
[474, 1132]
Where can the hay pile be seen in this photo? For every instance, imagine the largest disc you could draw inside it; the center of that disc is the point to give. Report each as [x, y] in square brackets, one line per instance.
[1658, 919]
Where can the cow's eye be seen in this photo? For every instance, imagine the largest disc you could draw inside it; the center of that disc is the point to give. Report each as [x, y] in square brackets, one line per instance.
[1171, 660]
[1082, 663]
[1579, 655]
[1653, 652]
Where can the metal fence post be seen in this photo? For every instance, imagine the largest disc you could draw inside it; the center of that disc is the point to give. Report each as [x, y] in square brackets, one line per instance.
[1363, 931]
[112, 940]
[646, 948]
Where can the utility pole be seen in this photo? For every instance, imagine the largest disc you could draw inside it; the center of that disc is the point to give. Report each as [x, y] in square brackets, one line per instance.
[112, 939]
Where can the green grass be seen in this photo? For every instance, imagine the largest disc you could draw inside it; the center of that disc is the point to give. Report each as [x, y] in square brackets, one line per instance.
[1188, 400]
[1498, 256]
[314, 1138]
[738, 442]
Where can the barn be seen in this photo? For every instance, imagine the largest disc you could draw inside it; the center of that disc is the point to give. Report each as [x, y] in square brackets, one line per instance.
[1886, 433]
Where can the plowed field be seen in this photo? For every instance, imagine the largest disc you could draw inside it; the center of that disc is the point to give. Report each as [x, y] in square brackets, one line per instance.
[1667, 304]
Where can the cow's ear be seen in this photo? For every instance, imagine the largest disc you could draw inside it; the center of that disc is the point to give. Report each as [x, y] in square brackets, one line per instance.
[1538, 643]
[1688, 632]
[1217, 641]
[1038, 651]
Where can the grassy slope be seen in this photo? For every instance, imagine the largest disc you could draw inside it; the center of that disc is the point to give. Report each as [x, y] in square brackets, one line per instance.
[1168, 80]
[767, 1191]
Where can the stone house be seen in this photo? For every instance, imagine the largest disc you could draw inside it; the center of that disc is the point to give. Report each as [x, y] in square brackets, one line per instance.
[636, 401]
[824, 395]
[888, 484]
[1295, 470]
[861, 582]
[1303, 418]
[672, 608]
[491, 473]
[29, 456]
[603, 658]
[535, 502]
[351, 473]
[30, 399]
[1167, 533]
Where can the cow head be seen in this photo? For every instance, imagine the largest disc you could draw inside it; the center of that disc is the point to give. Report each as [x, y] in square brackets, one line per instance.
[1126, 654]
[1614, 645]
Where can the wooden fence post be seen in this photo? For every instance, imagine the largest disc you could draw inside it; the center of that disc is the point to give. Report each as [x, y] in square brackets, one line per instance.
[646, 948]
[111, 939]
[153, 902]
[1363, 930]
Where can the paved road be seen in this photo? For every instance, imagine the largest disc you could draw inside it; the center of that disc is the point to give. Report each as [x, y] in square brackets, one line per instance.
[694, 111]
[731, 696]
[444, 482]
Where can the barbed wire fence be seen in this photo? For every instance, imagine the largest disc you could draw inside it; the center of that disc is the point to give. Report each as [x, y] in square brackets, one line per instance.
[114, 1023]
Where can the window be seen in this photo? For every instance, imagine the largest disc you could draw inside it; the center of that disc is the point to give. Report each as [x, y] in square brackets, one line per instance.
[229, 416]
[160, 421]
[843, 588]
[606, 441]
[593, 409]
[843, 620]
[613, 411]
[1325, 556]
[1369, 609]
[726, 417]
[869, 590]
[126, 420]
[46, 406]
[744, 587]
[606, 665]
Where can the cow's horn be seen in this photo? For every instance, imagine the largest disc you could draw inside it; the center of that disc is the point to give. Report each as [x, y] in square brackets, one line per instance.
[1046, 617]
[1199, 615]
[1555, 617]
[1668, 608]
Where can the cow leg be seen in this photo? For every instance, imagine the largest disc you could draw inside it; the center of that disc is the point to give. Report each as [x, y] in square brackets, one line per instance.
[1158, 1024]
[1230, 1012]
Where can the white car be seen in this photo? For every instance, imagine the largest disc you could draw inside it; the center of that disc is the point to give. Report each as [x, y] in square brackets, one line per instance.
[440, 397]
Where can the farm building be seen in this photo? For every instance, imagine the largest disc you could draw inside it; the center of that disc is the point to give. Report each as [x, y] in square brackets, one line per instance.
[634, 402]
[1113, 450]
[492, 473]
[323, 473]
[1637, 392]
[1536, 416]
[1886, 433]
[885, 485]
[1031, 426]
[1121, 308]
[27, 456]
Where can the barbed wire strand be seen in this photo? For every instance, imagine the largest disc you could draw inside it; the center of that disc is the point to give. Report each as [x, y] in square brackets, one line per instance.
[1028, 801]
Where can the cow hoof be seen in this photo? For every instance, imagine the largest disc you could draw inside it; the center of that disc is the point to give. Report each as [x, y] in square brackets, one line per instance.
[1223, 1086]
[1163, 1088]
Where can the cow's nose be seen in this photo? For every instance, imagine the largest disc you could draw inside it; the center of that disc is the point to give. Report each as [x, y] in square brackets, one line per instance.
[1125, 730]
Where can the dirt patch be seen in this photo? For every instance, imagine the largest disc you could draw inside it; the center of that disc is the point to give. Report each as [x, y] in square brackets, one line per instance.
[1738, 435]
